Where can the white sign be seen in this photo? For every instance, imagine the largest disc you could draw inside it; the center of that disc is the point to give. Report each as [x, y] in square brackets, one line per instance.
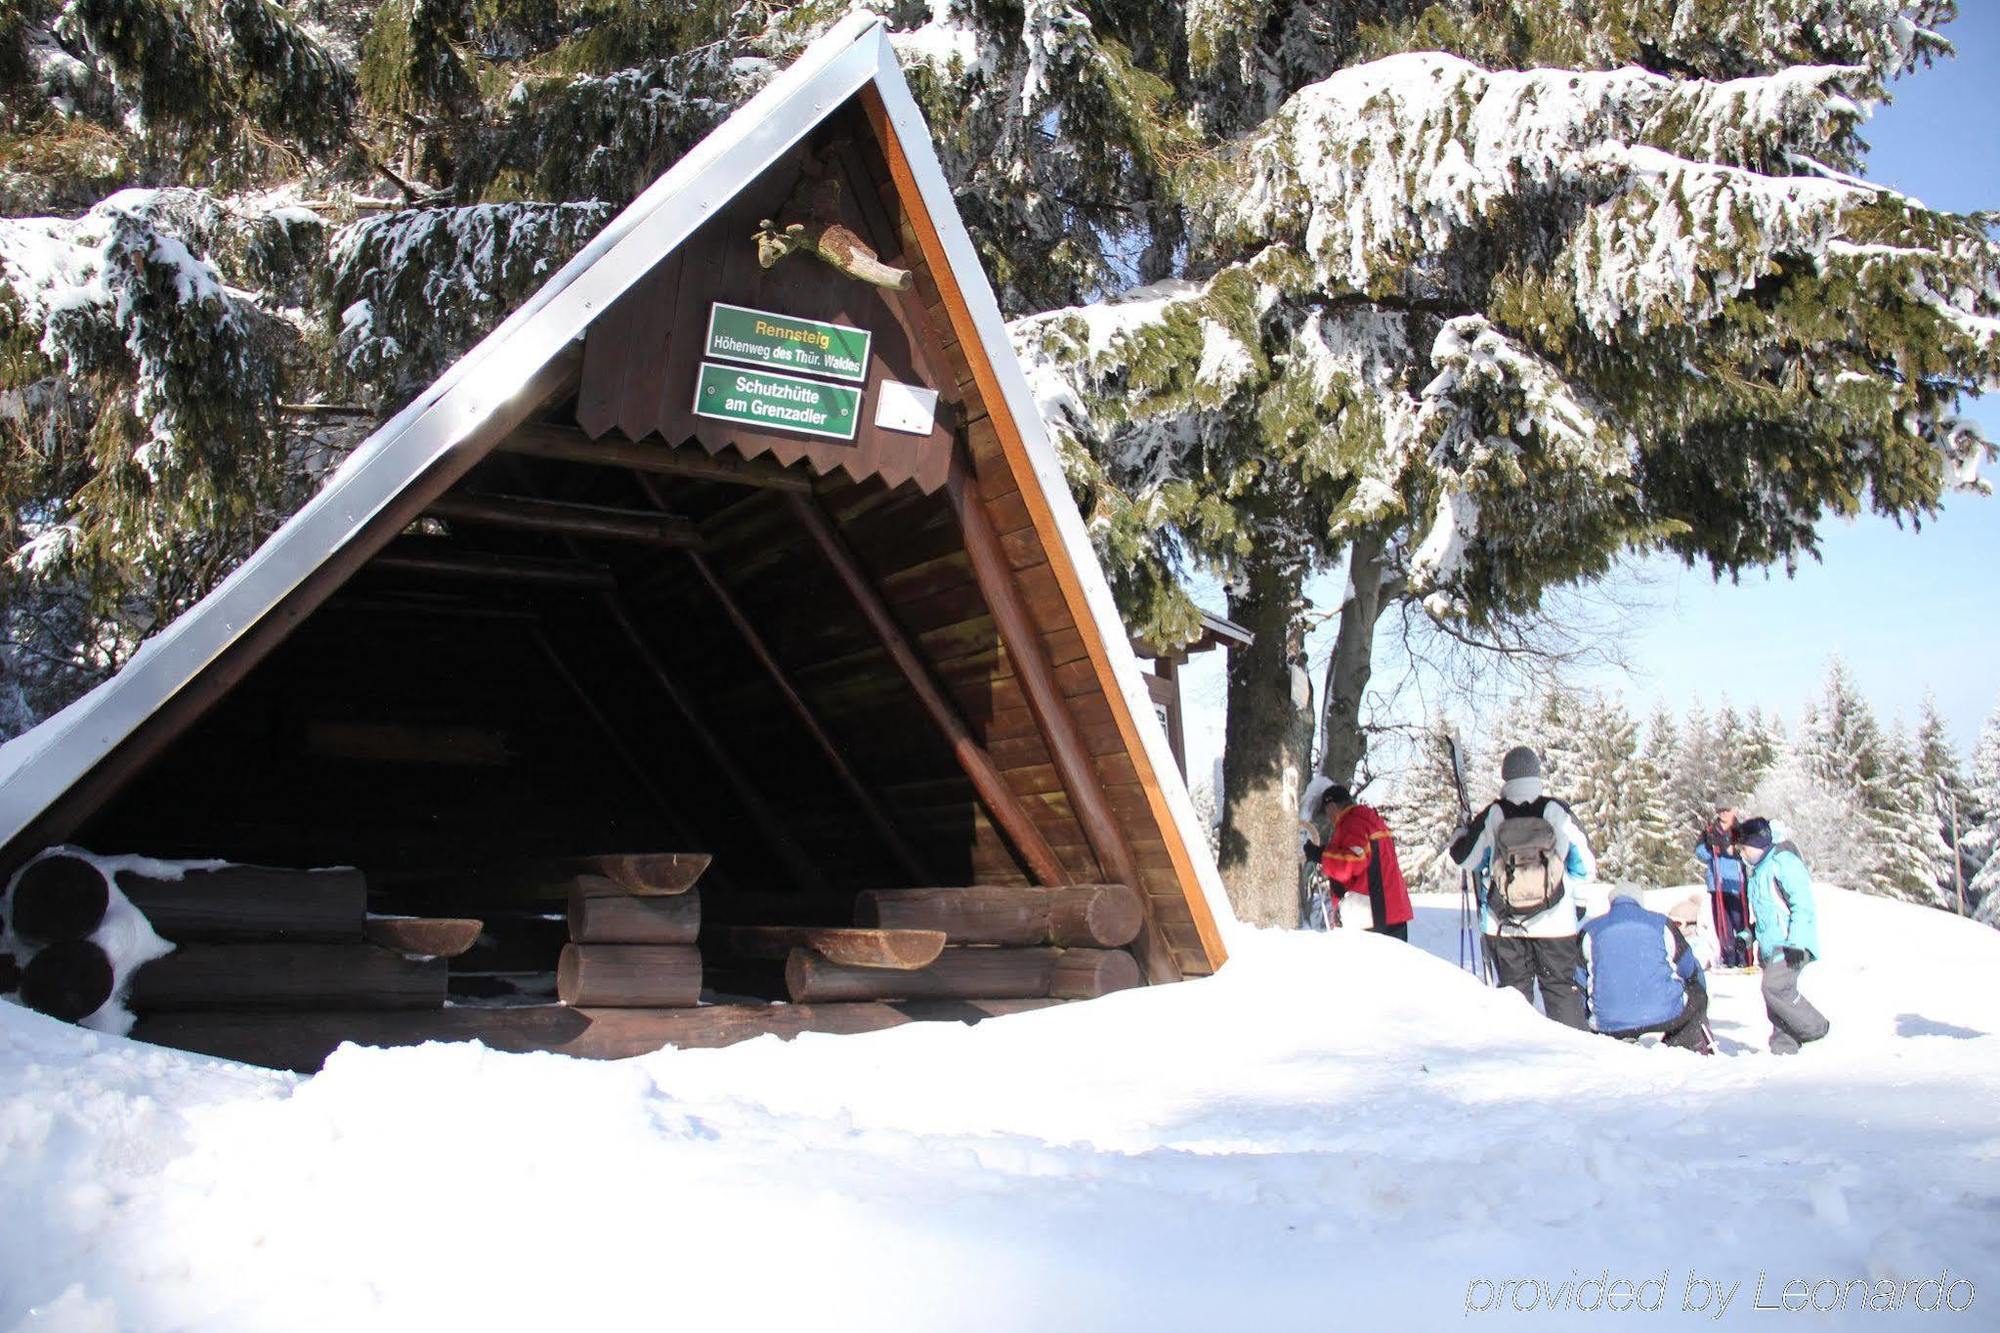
[909, 408]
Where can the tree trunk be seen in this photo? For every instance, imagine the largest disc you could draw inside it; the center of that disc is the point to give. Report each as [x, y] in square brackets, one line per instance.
[1267, 747]
[1347, 671]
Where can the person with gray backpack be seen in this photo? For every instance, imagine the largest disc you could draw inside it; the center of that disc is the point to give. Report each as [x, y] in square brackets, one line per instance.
[1529, 848]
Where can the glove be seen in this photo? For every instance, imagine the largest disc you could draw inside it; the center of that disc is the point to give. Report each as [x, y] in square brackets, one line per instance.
[1794, 957]
[1311, 851]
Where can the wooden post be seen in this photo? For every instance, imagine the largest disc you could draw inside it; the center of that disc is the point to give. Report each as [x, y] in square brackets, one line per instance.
[1023, 642]
[630, 976]
[1001, 803]
[900, 848]
[786, 847]
[603, 913]
[1105, 916]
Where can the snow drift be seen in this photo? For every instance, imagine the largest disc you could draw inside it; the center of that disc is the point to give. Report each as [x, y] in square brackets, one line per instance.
[1336, 1129]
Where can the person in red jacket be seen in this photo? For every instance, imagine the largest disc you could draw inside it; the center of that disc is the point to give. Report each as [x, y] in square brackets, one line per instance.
[1360, 857]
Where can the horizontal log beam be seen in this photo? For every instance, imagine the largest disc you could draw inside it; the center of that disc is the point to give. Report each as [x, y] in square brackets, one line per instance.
[1085, 974]
[899, 950]
[1104, 916]
[252, 903]
[69, 980]
[602, 912]
[569, 520]
[302, 1042]
[429, 559]
[629, 976]
[287, 976]
[566, 444]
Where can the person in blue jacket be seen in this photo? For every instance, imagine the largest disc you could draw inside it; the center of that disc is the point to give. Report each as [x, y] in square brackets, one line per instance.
[1644, 977]
[1781, 897]
[1722, 862]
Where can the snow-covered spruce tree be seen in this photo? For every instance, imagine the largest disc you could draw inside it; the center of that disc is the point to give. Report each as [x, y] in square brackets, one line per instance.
[1477, 295]
[1914, 854]
[1950, 795]
[1423, 811]
[1845, 749]
[1763, 740]
[1982, 843]
[148, 336]
[1825, 822]
[1703, 773]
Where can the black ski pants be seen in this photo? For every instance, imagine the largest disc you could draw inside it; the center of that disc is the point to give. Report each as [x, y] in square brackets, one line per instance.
[1401, 930]
[1521, 961]
[1683, 1031]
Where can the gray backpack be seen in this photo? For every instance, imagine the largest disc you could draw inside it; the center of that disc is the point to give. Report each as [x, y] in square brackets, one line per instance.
[1527, 873]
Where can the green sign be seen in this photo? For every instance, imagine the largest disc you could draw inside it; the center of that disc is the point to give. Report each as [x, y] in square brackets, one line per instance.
[783, 402]
[782, 342]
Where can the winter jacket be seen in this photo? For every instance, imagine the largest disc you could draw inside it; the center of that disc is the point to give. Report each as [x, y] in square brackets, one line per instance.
[1474, 851]
[1640, 965]
[1728, 869]
[1781, 897]
[1360, 857]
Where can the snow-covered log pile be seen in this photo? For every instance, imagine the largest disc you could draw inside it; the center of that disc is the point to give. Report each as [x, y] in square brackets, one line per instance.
[101, 939]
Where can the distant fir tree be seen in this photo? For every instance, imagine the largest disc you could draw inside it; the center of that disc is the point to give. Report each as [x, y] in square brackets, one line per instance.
[1703, 772]
[1915, 858]
[1982, 843]
[1844, 748]
[1763, 741]
[1950, 791]
[1424, 812]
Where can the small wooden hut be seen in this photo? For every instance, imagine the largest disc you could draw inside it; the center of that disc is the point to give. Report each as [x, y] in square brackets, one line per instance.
[719, 627]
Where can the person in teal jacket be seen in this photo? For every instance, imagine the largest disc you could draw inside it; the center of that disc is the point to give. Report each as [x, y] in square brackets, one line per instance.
[1781, 898]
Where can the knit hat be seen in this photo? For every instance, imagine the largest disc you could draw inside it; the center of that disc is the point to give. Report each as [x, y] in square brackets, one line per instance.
[1335, 795]
[1521, 762]
[1754, 833]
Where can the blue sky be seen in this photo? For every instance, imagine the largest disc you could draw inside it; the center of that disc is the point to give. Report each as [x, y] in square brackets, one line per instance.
[1908, 610]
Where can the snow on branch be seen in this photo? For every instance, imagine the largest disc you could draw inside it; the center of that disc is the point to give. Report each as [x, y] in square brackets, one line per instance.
[414, 289]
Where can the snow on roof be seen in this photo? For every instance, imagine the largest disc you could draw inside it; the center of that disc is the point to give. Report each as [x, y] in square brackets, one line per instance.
[39, 766]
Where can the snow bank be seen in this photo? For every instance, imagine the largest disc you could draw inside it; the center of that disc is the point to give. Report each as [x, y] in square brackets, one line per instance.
[1337, 1130]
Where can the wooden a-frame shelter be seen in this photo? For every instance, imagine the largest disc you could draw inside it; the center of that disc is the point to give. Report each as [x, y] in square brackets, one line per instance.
[771, 565]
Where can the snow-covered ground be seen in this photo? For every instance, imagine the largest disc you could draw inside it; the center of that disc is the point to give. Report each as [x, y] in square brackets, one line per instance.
[1336, 1132]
